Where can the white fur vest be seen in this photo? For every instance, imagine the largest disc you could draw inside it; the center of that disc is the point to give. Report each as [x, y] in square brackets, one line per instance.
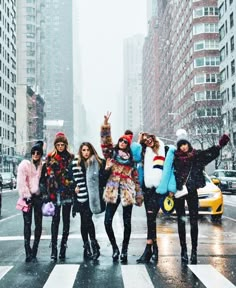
[153, 166]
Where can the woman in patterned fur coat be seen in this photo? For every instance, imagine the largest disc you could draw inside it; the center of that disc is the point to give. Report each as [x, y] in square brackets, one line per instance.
[122, 186]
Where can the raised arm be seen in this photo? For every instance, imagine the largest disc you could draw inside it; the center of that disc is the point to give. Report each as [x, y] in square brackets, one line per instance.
[106, 140]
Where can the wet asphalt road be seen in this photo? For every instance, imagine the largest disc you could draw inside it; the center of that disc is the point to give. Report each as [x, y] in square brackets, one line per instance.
[216, 254]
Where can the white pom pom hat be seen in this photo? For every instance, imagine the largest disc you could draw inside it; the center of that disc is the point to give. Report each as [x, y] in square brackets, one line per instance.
[182, 136]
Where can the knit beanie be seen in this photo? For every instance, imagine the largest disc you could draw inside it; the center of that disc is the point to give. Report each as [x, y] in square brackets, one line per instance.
[127, 137]
[38, 146]
[182, 138]
[60, 137]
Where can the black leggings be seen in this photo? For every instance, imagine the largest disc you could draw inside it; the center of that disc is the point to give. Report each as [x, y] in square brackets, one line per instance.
[27, 216]
[192, 201]
[152, 207]
[66, 208]
[109, 214]
[87, 225]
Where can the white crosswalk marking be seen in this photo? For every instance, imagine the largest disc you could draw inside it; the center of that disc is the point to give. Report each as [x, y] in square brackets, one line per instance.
[4, 270]
[136, 276]
[210, 277]
[62, 276]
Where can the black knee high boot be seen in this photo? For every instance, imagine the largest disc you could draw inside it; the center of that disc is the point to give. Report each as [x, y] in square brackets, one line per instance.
[147, 254]
[124, 254]
[54, 251]
[116, 252]
[154, 251]
[62, 254]
[96, 249]
[87, 251]
[193, 258]
[35, 249]
[28, 252]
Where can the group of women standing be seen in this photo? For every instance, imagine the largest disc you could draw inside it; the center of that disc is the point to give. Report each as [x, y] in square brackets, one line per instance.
[129, 174]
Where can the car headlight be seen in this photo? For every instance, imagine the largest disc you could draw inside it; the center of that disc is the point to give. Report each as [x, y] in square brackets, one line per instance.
[223, 182]
[215, 195]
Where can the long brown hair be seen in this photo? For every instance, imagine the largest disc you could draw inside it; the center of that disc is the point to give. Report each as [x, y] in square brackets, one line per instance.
[92, 152]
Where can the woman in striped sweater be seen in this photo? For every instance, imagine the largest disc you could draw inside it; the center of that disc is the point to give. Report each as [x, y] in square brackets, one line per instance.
[87, 171]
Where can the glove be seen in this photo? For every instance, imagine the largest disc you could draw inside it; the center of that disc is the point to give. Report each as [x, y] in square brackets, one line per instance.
[45, 199]
[139, 200]
[73, 213]
[28, 201]
[224, 140]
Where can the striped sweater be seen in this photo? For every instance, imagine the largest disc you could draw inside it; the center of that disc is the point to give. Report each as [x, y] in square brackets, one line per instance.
[79, 176]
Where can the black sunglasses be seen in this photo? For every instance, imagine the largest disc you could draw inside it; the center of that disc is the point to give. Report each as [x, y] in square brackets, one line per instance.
[123, 140]
[35, 153]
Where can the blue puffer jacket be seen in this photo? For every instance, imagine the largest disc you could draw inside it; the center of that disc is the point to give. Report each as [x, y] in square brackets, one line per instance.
[168, 182]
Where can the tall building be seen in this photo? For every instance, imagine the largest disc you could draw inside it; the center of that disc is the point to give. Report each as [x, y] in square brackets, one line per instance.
[227, 31]
[133, 48]
[7, 83]
[189, 83]
[57, 63]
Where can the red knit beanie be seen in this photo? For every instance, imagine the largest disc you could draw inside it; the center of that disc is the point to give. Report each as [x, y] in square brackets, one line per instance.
[60, 137]
[127, 137]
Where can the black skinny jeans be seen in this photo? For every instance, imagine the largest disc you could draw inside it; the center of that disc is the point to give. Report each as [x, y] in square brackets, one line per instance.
[192, 201]
[27, 216]
[66, 208]
[152, 207]
[109, 214]
[87, 225]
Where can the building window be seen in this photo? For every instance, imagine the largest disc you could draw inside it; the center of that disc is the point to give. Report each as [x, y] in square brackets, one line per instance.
[233, 67]
[222, 32]
[232, 43]
[233, 90]
[222, 76]
[222, 54]
[221, 10]
[234, 114]
[231, 19]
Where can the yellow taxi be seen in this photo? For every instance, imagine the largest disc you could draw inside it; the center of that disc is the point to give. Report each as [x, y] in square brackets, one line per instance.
[211, 199]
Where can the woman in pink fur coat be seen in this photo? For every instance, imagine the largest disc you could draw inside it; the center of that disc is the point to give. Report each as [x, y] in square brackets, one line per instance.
[28, 176]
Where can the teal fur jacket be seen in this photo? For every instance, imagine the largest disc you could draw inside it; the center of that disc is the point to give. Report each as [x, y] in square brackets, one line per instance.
[168, 182]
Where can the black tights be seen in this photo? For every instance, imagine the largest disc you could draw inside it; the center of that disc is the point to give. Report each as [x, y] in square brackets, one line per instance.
[192, 201]
[152, 206]
[87, 225]
[27, 216]
[109, 214]
[66, 208]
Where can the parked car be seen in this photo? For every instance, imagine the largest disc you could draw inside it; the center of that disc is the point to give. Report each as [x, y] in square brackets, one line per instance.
[8, 180]
[227, 179]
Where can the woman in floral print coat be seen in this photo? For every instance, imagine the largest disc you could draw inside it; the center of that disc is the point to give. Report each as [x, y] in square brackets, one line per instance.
[58, 188]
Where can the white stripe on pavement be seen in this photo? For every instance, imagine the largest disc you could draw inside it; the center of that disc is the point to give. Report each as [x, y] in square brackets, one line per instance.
[4, 270]
[232, 219]
[210, 277]
[62, 276]
[136, 276]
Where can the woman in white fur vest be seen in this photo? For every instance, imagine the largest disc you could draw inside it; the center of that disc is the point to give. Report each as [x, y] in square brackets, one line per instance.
[28, 175]
[153, 161]
[89, 176]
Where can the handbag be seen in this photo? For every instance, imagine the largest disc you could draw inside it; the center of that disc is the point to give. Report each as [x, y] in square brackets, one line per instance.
[184, 190]
[21, 205]
[48, 209]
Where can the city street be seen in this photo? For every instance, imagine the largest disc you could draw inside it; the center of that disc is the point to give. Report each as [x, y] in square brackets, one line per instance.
[216, 254]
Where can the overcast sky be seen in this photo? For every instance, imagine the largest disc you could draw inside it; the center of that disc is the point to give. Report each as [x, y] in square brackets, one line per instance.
[103, 25]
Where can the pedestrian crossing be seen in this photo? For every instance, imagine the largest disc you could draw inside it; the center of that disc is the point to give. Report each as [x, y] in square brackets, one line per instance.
[109, 276]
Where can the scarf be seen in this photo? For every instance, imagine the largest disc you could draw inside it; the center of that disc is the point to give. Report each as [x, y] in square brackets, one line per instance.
[183, 162]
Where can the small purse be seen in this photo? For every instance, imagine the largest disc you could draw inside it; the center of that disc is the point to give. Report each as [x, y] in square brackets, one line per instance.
[184, 190]
[21, 205]
[48, 209]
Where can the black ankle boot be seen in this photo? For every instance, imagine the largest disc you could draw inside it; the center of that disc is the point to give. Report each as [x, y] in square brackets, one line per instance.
[116, 253]
[87, 251]
[147, 254]
[62, 254]
[184, 256]
[154, 251]
[54, 253]
[96, 249]
[193, 258]
[124, 256]
[28, 253]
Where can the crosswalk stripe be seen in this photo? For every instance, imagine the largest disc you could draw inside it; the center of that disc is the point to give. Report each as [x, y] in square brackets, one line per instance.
[62, 276]
[4, 270]
[136, 276]
[210, 277]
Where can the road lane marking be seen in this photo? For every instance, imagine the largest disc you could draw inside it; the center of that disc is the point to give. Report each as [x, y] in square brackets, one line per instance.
[210, 277]
[4, 270]
[139, 279]
[229, 218]
[10, 217]
[63, 275]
